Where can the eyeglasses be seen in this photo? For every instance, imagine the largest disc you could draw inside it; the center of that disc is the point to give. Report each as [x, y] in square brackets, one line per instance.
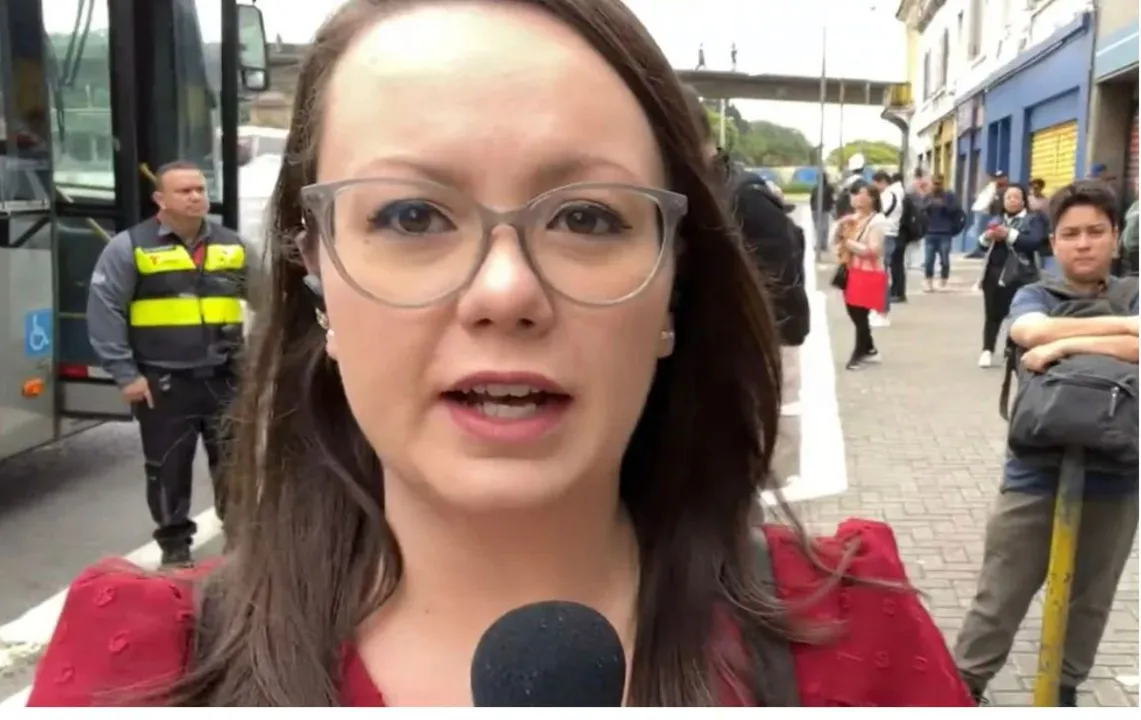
[411, 243]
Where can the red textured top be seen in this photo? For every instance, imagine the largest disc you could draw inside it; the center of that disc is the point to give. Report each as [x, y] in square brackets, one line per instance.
[121, 628]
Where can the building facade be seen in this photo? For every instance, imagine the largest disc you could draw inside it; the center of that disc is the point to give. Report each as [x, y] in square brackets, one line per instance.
[1112, 136]
[1004, 86]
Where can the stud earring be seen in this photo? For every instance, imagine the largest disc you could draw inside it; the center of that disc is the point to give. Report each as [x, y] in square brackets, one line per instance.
[667, 336]
[323, 320]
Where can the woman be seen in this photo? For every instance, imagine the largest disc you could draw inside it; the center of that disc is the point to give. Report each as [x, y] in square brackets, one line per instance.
[1039, 204]
[858, 244]
[1016, 231]
[453, 410]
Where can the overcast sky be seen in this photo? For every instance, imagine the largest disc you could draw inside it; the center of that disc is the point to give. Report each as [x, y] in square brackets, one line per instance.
[863, 40]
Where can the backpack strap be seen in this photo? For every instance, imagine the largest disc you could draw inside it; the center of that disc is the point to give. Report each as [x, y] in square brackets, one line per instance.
[1010, 370]
[774, 674]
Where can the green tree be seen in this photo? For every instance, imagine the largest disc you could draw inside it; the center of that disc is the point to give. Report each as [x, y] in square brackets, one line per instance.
[875, 152]
[732, 133]
[769, 144]
[759, 142]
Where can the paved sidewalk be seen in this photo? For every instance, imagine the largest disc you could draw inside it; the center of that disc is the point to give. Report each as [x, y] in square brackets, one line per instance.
[924, 444]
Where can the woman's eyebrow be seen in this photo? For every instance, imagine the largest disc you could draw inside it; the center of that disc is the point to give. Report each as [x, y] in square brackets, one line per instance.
[562, 169]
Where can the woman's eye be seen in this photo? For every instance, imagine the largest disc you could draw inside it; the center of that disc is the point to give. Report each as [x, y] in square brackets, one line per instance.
[587, 219]
[411, 217]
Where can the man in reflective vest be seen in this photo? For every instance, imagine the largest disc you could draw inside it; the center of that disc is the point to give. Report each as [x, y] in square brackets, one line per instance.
[164, 315]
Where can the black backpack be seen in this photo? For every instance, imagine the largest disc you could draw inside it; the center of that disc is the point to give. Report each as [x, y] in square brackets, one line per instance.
[777, 246]
[1083, 401]
[913, 221]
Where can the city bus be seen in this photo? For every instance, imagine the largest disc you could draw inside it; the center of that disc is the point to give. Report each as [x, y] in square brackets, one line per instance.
[95, 94]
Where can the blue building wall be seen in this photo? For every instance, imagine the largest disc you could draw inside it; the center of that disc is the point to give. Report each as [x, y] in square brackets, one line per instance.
[1047, 85]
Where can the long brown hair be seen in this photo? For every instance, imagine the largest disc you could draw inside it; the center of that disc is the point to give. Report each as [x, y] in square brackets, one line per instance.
[312, 555]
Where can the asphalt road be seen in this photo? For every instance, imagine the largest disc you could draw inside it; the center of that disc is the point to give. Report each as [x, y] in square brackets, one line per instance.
[64, 507]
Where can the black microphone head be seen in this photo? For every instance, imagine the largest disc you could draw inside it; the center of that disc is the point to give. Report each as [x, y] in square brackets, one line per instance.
[549, 654]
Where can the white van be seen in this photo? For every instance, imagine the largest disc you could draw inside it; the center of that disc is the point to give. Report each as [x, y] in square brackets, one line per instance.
[255, 141]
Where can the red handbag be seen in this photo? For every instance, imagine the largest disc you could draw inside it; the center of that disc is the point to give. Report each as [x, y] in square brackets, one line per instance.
[866, 289]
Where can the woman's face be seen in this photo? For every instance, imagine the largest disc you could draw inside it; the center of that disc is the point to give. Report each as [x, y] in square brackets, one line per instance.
[861, 200]
[1012, 200]
[501, 103]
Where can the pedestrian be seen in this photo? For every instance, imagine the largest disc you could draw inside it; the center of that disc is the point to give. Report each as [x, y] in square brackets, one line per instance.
[776, 245]
[1019, 531]
[1017, 231]
[1038, 204]
[858, 245]
[822, 200]
[165, 318]
[945, 220]
[893, 200]
[987, 204]
[854, 175]
[1129, 240]
[465, 409]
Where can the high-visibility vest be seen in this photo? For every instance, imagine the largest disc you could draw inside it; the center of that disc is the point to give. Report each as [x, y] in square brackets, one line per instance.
[181, 313]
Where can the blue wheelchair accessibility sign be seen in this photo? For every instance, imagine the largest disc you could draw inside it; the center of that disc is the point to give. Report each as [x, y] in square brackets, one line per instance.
[38, 333]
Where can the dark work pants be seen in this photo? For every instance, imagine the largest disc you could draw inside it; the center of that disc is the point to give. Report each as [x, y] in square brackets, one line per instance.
[186, 406]
[864, 343]
[897, 267]
[996, 306]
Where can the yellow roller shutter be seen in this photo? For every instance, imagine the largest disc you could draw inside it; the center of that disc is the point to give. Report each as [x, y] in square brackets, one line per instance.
[1053, 154]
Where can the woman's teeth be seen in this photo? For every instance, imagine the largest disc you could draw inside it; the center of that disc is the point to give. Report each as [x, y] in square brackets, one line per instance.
[500, 390]
[505, 402]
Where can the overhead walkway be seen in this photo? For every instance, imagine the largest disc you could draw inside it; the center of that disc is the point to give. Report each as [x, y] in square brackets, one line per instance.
[726, 85]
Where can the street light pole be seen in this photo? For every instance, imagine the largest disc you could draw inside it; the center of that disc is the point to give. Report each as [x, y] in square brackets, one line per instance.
[721, 130]
[822, 171]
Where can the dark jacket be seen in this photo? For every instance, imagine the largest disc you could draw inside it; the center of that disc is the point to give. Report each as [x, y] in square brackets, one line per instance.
[776, 245]
[944, 214]
[1030, 233]
[829, 196]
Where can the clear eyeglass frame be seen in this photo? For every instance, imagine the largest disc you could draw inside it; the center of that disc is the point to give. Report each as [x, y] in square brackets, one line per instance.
[318, 202]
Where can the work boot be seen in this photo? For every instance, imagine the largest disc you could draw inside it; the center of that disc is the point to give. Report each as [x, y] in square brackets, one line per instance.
[177, 557]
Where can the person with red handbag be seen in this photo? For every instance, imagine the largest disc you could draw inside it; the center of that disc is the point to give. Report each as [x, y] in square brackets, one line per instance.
[860, 273]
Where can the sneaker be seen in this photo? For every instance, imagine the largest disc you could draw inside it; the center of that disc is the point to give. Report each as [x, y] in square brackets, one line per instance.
[928, 286]
[854, 364]
[872, 357]
[986, 359]
[878, 320]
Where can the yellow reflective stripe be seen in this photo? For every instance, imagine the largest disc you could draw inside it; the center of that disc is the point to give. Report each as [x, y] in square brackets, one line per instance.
[224, 257]
[175, 259]
[181, 312]
[160, 260]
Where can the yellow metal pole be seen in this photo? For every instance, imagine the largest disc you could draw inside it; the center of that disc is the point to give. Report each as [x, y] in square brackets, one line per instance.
[146, 171]
[1060, 578]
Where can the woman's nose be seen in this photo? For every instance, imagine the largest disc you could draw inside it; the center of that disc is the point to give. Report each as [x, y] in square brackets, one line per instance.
[506, 291]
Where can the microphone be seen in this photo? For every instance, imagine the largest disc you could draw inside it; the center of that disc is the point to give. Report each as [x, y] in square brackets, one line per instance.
[549, 654]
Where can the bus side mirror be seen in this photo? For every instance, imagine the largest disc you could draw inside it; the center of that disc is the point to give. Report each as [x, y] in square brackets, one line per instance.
[253, 58]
